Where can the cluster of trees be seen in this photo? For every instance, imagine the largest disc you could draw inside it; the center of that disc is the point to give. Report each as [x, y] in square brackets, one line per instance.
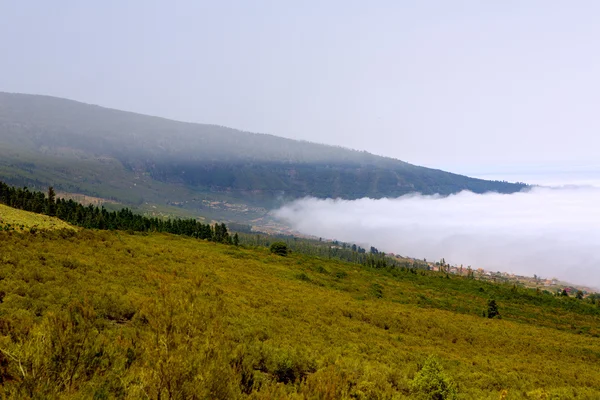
[93, 217]
[331, 250]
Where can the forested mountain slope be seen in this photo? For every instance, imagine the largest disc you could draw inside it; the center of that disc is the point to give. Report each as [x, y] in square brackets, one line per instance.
[139, 159]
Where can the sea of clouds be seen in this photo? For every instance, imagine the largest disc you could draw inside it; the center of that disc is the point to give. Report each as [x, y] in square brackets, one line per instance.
[547, 231]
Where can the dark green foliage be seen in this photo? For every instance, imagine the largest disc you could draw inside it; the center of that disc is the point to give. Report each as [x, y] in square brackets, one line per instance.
[51, 202]
[236, 239]
[332, 250]
[579, 295]
[221, 235]
[341, 274]
[92, 217]
[492, 309]
[279, 248]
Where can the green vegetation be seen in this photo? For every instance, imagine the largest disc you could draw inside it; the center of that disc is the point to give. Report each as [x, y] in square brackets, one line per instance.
[430, 383]
[493, 309]
[109, 314]
[140, 313]
[279, 248]
[146, 161]
[124, 219]
[16, 220]
[330, 250]
[99, 218]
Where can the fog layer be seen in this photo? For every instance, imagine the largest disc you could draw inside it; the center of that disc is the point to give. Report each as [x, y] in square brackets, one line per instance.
[551, 232]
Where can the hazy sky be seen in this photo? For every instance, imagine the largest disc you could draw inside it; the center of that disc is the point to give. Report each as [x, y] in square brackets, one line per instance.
[472, 86]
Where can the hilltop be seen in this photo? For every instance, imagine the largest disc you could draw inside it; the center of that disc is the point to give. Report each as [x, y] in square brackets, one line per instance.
[168, 166]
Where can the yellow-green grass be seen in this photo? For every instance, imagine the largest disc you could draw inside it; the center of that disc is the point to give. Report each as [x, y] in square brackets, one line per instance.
[18, 220]
[112, 315]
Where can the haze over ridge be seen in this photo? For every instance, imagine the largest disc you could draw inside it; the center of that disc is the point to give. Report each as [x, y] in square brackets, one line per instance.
[143, 160]
[460, 87]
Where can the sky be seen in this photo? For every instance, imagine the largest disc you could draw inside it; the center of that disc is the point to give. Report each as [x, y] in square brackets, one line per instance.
[468, 86]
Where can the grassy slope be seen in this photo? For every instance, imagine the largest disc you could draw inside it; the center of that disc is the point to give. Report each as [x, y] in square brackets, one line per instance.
[14, 219]
[108, 314]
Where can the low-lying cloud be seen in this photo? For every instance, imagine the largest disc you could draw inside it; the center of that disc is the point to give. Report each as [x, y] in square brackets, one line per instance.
[551, 232]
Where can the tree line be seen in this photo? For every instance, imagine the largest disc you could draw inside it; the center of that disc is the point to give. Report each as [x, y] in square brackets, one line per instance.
[93, 217]
[333, 250]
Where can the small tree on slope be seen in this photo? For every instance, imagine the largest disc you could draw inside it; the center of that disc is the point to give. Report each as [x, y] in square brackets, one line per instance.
[492, 309]
[431, 383]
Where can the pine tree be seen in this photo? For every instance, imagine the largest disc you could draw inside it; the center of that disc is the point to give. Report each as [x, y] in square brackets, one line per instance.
[51, 202]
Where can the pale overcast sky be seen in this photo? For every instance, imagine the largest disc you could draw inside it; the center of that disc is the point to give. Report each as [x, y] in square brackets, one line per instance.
[461, 85]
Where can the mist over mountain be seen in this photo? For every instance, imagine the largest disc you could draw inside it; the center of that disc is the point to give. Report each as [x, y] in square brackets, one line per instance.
[545, 231]
[134, 158]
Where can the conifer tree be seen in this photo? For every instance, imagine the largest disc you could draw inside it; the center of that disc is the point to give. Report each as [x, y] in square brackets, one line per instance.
[51, 202]
[492, 309]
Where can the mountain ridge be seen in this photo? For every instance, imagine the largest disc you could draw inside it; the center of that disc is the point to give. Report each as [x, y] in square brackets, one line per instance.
[148, 160]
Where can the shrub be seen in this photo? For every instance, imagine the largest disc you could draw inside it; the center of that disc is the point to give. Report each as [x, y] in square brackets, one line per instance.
[279, 248]
[303, 277]
[341, 274]
[320, 269]
[431, 382]
[377, 290]
[292, 366]
[492, 309]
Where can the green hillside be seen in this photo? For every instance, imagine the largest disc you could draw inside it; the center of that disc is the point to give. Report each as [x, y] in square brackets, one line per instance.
[216, 171]
[18, 220]
[99, 314]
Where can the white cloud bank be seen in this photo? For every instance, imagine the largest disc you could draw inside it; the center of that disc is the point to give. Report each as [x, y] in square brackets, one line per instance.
[551, 232]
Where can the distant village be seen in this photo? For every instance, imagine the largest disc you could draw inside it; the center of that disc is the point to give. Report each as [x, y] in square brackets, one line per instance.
[552, 285]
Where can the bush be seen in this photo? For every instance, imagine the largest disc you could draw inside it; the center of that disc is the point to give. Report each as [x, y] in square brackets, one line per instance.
[303, 277]
[493, 309]
[431, 383]
[320, 269]
[341, 274]
[377, 290]
[279, 248]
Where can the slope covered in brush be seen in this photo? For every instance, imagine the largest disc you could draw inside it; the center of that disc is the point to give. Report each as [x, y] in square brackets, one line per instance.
[97, 314]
